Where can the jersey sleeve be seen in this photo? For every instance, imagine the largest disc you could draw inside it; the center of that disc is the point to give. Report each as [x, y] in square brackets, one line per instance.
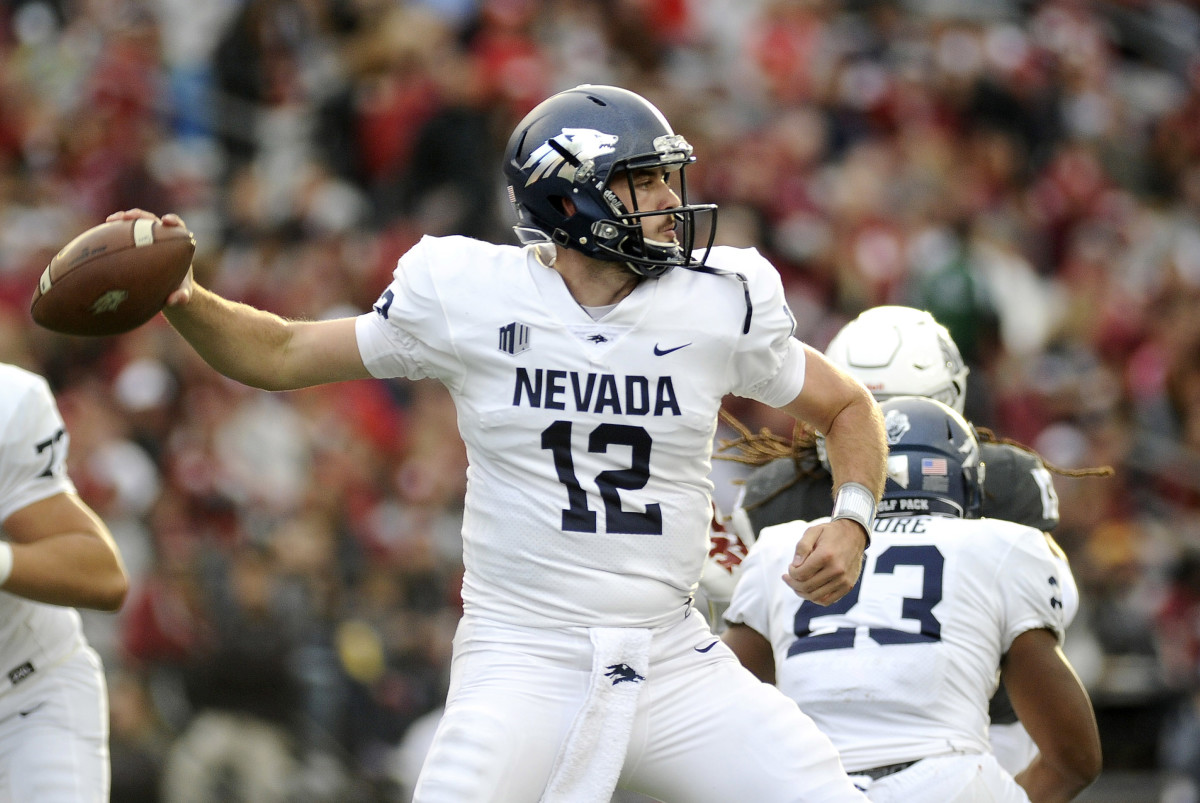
[769, 364]
[761, 574]
[1032, 584]
[407, 333]
[33, 450]
[1070, 590]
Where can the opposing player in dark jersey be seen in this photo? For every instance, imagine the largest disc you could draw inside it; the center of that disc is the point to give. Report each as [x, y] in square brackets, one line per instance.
[894, 351]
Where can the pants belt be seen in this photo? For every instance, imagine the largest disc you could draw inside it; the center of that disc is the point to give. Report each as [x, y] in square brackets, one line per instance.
[875, 773]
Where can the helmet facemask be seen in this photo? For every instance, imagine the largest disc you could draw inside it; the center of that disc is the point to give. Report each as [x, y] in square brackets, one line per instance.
[623, 237]
[617, 234]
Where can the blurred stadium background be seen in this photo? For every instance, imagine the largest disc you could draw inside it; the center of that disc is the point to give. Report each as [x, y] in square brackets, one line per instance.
[1028, 172]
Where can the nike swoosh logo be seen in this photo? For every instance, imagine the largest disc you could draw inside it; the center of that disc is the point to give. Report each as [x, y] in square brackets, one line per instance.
[660, 352]
[706, 649]
[31, 710]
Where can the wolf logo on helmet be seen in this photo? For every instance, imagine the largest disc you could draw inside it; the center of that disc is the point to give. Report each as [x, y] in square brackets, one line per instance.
[585, 144]
[895, 423]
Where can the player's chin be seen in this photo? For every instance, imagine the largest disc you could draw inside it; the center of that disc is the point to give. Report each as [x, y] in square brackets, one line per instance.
[669, 236]
[665, 241]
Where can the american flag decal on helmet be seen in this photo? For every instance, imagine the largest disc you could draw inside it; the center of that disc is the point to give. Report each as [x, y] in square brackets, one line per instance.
[514, 338]
[933, 465]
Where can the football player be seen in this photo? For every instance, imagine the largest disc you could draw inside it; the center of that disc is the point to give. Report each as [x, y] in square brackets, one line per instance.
[588, 368]
[899, 672]
[896, 350]
[56, 555]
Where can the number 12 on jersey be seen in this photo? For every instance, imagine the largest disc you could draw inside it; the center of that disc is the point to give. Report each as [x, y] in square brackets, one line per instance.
[577, 516]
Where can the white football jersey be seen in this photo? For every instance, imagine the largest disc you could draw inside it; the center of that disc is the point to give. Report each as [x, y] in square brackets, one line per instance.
[33, 452]
[903, 666]
[588, 441]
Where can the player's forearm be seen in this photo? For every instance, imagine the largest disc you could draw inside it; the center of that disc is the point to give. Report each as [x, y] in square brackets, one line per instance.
[843, 410]
[856, 445]
[237, 340]
[1066, 765]
[1055, 709]
[80, 570]
[1046, 782]
[263, 350]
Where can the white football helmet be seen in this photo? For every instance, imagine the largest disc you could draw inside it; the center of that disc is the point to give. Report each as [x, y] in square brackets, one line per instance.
[901, 351]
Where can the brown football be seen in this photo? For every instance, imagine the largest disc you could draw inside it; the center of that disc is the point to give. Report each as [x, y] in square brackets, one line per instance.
[112, 278]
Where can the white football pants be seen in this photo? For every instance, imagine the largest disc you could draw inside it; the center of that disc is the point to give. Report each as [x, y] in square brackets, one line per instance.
[54, 734]
[704, 729]
[973, 778]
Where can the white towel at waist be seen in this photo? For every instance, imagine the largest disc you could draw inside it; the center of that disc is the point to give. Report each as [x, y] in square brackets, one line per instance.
[589, 763]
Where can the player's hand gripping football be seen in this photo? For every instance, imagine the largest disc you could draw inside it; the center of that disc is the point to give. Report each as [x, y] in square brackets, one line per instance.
[828, 561]
[183, 293]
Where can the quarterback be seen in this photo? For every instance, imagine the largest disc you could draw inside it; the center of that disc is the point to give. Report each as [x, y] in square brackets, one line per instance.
[587, 367]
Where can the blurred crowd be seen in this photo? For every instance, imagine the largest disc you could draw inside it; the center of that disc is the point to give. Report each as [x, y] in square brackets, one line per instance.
[1028, 172]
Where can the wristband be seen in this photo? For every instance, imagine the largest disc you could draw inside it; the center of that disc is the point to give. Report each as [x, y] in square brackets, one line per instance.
[855, 501]
[6, 560]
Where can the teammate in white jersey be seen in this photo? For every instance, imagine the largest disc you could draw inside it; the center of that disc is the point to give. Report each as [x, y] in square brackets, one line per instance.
[896, 351]
[56, 555]
[899, 671]
[588, 368]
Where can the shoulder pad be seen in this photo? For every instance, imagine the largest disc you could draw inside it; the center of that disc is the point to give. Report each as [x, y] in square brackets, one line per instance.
[1014, 487]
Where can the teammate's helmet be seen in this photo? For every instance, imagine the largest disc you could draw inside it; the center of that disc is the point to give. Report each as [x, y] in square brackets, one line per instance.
[933, 460]
[901, 351]
[573, 145]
